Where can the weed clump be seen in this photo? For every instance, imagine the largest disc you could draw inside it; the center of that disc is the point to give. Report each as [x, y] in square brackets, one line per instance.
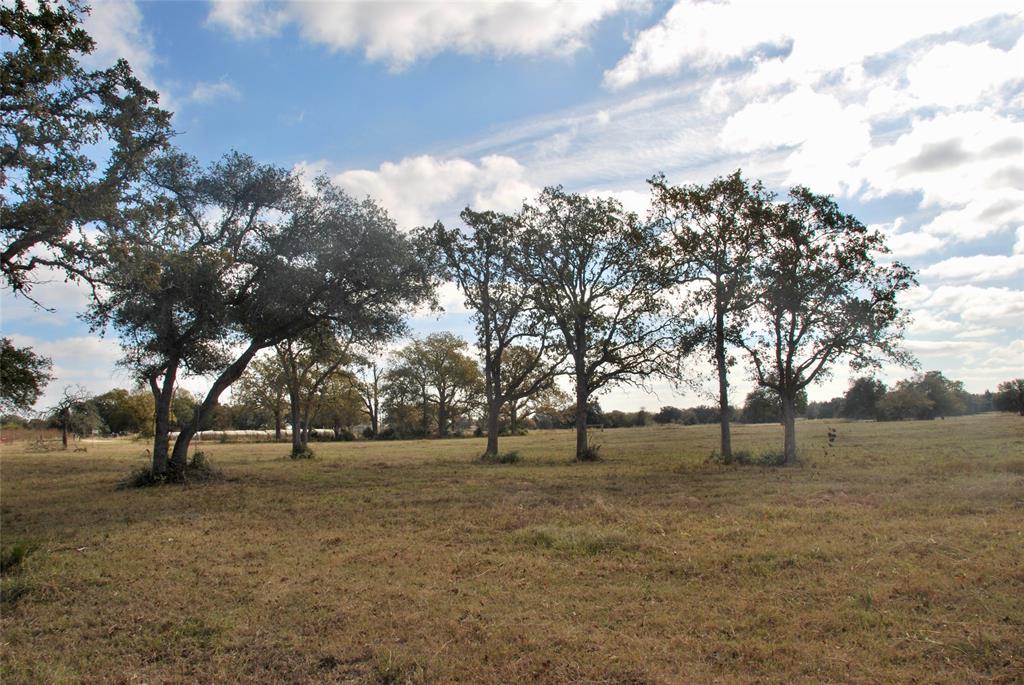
[197, 470]
[591, 453]
[576, 540]
[11, 556]
[748, 458]
[304, 453]
[391, 670]
[502, 458]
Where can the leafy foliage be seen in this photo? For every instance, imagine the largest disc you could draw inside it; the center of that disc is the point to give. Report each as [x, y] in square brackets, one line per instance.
[23, 376]
[56, 117]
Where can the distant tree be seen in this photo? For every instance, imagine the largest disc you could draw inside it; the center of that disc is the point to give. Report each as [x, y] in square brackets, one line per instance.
[862, 398]
[763, 405]
[481, 262]
[828, 409]
[220, 263]
[669, 414]
[339, 405]
[907, 400]
[595, 273]
[1010, 396]
[23, 376]
[821, 296]
[71, 140]
[263, 386]
[452, 376]
[307, 363]
[947, 395]
[714, 231]
[544, 400]
[408, 404]
[183, 409]
[126, 412]
[368, 377]
[74, 414]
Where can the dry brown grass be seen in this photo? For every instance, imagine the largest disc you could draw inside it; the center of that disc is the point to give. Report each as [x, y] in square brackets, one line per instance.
[896, 556]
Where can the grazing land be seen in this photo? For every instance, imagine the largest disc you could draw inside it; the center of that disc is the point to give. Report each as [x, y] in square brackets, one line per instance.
[894, 556]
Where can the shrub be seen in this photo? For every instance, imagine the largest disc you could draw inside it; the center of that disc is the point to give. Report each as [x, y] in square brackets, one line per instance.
[11, 556]
[591, 453]
[197, 470]
[368, 433]
[304, 453]
[748, 458]
[388, 434]
[345, 435]
[503, 458]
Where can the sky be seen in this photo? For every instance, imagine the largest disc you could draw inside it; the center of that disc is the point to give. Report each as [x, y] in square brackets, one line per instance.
[911, 114]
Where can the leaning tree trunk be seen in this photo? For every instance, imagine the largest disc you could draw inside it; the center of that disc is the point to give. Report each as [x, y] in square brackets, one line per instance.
[789, 427]
[179, 456]
[723, 384]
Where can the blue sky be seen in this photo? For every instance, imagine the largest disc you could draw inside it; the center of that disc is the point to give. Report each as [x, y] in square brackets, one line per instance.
[910, 113]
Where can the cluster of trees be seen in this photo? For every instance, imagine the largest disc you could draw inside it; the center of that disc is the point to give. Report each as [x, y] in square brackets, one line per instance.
[238, 272]
[927, 395]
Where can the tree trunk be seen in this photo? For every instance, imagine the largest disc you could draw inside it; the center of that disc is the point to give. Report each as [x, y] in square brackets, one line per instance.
[231, 374]
[582, 395]
[426, 415]
[277, 425]
[162, 397]
[493, 409]
[442, 416]
[723, 383]
[513, 418]
[65, 417]
[789, 426]
[296, 424]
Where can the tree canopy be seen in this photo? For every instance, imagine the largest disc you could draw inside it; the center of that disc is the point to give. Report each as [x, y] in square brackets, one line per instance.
[71, 140]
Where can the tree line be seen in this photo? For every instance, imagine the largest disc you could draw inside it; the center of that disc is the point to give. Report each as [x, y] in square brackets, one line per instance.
[214, 269]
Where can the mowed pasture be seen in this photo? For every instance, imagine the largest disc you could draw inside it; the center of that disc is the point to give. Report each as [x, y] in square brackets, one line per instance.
[894, 556]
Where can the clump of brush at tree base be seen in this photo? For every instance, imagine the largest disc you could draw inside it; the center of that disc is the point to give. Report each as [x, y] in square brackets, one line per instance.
[770, 457]
[304, 453]
[197, 470]
[501, 458]
[590, 453]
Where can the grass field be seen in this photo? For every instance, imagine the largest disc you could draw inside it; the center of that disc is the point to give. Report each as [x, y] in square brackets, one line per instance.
[896, 556]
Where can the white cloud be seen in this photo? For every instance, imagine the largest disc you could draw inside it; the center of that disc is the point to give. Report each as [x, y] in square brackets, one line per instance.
[116, 26]
[420, 190]
[976, 268]
[399, 34]
[978, 305]
[823, 36]
[84, 360]
[826, 134]
[204, 92]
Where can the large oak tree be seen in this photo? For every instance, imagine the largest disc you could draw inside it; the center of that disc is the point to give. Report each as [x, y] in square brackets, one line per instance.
[821, 295]
[595, 272]
[218, 263]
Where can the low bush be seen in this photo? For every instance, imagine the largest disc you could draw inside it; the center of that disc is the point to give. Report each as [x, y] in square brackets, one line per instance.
[197, 470]
[591, 453]
[748, 458]
[502, 458]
